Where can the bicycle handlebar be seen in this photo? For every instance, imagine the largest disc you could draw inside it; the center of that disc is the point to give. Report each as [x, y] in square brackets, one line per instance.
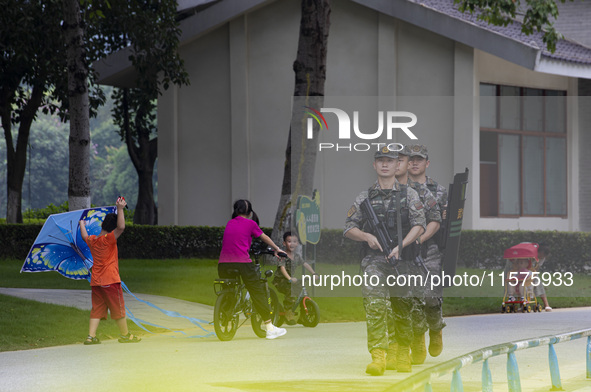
[268, 251]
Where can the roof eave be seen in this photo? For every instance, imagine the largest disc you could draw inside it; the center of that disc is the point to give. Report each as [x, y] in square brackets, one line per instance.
[556, 67]
[117, 70]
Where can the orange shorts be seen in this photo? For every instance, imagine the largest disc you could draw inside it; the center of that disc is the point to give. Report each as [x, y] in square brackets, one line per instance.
[105, 298]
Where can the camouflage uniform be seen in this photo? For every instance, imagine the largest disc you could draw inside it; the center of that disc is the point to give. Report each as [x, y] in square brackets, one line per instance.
[427, 314]
[432, 259]
[283, 285]
[387, 316]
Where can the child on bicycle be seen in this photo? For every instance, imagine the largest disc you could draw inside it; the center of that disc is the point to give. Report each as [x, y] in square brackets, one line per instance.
[284, 276]
[234, 256]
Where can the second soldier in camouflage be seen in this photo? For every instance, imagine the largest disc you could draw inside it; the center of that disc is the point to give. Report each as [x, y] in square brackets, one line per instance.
[430, 316]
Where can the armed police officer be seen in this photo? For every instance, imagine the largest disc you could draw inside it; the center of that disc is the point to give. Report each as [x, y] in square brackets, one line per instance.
[432, 241]
[433, 221]
[394, 206]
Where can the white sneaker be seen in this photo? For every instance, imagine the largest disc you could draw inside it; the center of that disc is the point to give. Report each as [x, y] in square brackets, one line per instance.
[276, 332]
[548, 309]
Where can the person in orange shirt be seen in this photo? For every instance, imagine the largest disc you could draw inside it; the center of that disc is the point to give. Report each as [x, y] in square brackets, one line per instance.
[105, 282]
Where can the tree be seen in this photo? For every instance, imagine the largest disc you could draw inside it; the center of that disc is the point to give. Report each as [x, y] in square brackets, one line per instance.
[135, 116]
[537, 15]
[33, 72]
[152, 32]
[310, 75]
[30, 64]
[150, 29]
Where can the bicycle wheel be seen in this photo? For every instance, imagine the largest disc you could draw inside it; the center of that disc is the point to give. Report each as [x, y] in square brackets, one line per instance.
[225, 322]
[310, 315]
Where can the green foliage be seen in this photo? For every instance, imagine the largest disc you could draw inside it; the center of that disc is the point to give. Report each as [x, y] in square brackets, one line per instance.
[33, 65]
[120, 177]
[46, 175]
[538, 15]
[150, 28]
[43, 213]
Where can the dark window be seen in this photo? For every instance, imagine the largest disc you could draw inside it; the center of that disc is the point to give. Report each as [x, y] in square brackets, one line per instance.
[522, 152]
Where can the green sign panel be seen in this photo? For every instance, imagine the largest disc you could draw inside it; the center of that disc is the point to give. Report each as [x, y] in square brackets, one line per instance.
[308, 219]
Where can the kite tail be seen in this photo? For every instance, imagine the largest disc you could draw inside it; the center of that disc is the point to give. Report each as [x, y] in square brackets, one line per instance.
[169, 313]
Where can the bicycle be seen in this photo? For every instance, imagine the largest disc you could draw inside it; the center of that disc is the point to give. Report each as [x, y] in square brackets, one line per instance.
[233, 298]
[309, 315]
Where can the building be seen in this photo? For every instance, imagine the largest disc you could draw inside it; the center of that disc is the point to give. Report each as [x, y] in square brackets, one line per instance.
[488, 98]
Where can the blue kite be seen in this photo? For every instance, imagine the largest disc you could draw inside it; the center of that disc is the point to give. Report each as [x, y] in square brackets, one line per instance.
[60, 247]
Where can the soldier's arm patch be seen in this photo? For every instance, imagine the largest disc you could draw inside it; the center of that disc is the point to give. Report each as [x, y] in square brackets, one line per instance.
[351, 211]
[432, 203]
[418, 205]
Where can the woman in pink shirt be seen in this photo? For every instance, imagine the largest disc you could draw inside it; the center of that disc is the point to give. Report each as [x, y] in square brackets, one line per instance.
[238, 235]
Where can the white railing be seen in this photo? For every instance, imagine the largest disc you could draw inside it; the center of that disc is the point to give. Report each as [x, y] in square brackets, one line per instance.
[423, 379]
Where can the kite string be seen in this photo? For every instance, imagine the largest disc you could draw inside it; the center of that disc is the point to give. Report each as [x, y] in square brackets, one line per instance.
[140, 323]
[169, 313]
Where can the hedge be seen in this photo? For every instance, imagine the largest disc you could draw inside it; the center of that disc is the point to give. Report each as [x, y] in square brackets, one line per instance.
[571, 251]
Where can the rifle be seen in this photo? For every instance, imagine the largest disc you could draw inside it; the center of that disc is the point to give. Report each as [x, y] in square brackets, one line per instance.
[380, 231]
[420, 262]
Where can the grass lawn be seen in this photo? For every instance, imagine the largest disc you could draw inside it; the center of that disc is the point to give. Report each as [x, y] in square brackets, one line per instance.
[26, 324]
[191, 280]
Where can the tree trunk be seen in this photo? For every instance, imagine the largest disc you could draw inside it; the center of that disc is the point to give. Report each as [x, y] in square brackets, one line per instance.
[79, 142]
[143, 158]
[145, 210]
[310, 75]
[16, 159]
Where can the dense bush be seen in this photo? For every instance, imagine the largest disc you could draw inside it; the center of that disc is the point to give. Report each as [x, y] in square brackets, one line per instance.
[17, 240]
[571, 251]
[159, 242]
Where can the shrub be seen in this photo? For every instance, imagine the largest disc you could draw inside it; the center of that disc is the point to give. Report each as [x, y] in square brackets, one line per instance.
[570, 251]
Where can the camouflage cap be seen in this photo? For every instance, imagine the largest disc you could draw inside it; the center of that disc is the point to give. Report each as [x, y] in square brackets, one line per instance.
[405, 151]
[418, 150]
[385, 152]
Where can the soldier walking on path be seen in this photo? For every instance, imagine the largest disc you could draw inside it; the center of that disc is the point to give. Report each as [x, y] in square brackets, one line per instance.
[378, 301]
[433, 221]
[432, 313]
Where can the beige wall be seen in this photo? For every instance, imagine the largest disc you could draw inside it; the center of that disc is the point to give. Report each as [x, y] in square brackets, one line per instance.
[224, 136]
